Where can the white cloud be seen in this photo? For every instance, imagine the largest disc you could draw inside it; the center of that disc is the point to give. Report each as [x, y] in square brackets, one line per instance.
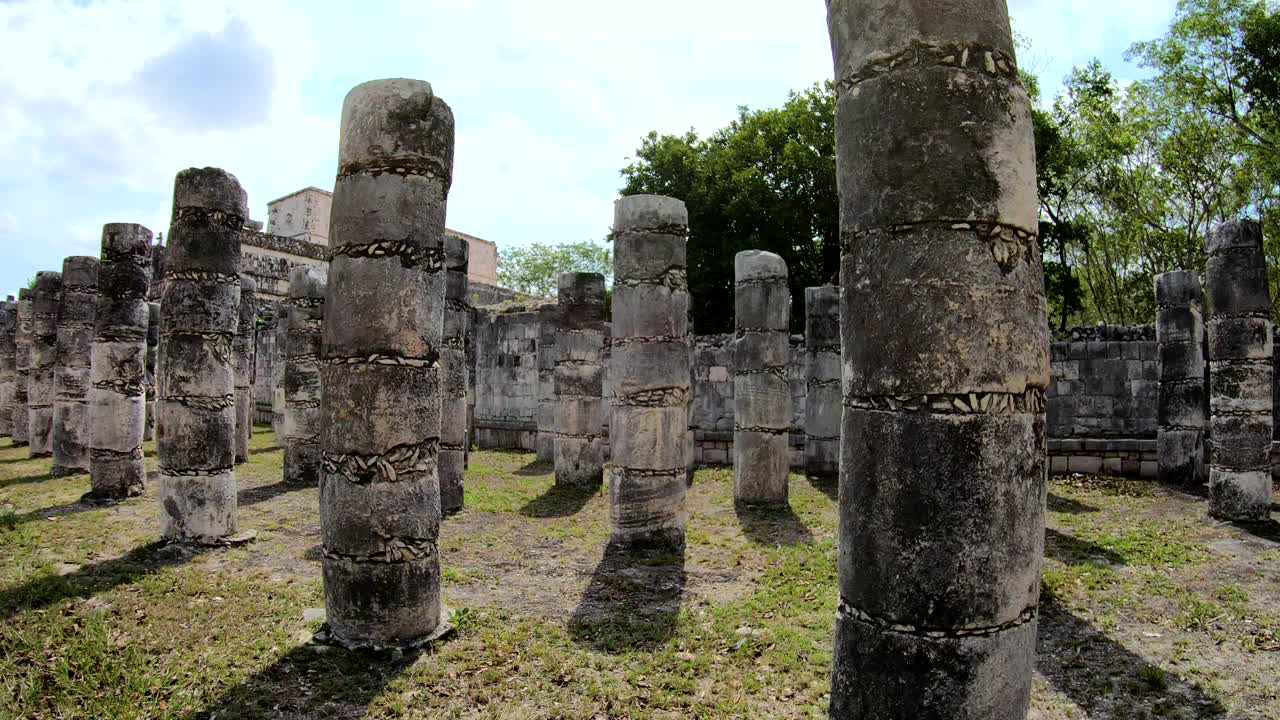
[8, 223]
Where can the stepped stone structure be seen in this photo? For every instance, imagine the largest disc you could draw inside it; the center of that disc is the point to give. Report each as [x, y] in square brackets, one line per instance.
[945, 348]
[454, 375]
[547, 383]
[72, 430]
[579, 381]
[278, 365]
[1180, 336]
[117, 415]
[1240, 374]
[153, 343]
[650, 373]
[8, 363]
[243, 348]
[301, 437]
[379, 487]
[762, 397]
[823, 402]
[195, 382]
[44, 356]
[22, 338]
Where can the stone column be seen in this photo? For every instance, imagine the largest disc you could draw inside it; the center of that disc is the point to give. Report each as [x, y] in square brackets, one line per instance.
[579, 381]
[1240, 374]
[762, 397]
[546, 414]
[281, 351]
[453, 373]
[650, 355]
[8, 363]
[44, 354]
[22, 367]
[380, 432]
[72, 430]
[153, 342]
[159, 262]
[823, 406]
[243, 348]
[302, 377]
[945, 346]
[117, 413]
[195, 381]
[1182, 401]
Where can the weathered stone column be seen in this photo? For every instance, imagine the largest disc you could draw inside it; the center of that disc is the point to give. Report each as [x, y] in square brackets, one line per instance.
[546, 413]
[579, 381]
[379, 486]
[278, 365]
[1240, 374]
[195, 381]
[72, 430]
[117, 415]
[823, 406]
[22, 366]
[650, 355]
[153, 343]
[243, 347]
[8, 363]
[453, 374]
[44, 354]
[1183, 395]
[302, 377]
[946, 360]
[762, 397]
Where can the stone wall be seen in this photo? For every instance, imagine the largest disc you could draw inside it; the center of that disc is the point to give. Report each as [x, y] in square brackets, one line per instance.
[268, 259]
[1105, 384]
[506, 377]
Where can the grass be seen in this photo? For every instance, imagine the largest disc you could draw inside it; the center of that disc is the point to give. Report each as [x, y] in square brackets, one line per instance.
[1147, 613]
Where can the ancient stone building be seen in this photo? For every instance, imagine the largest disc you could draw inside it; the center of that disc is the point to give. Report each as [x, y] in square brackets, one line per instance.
[823, 401]
[44, 354]
[71, 427]
[301, 437]
[579, 381]
[1183, 401]
[243, 348]
[945, 347]
[454, 375]
[22, 366]
[762, 396]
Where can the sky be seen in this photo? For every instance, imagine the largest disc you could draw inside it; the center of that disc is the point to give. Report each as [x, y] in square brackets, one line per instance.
[103, 102]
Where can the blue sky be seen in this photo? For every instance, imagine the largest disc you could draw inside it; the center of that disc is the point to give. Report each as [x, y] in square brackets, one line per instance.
[101, 103]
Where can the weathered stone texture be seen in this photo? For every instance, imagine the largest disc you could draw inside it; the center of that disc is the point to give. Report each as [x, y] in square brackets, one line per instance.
[46, 298]
[1240, 373]
[380, 430]
[579, 381]
[8, 363]
[1183, 395]
[454, 375]
[823, 406]
[243, 348]
[117, 415]
[762, 416]
[153, 345]
[547, 383]
[22, 338]
[277, 378]
[650, 355]
[195, 382]
[945, 364]
[301, 437]
[71, 428]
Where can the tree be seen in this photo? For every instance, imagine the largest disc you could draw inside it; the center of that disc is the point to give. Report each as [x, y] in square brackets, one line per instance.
[764, 182]
[535, 269]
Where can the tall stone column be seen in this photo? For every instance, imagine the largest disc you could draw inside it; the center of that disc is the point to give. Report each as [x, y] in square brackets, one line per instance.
[380, 433]
[579, 381]
[650, 354]
[453, 373]
[945, 352]
[22, 366]
[243, 347]
[1240, 374]
[823, 405]
[762, 397]
[195, 381]
[302, 377]
[281, 351]
[119, 369]
[72, 431]
[153, 343]
[546, 413]
[44, 354]
[8, 363]
[1183, 395]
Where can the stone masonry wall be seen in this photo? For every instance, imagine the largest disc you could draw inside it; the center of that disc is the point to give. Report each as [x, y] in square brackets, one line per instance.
[1105, 384]
[506, 389]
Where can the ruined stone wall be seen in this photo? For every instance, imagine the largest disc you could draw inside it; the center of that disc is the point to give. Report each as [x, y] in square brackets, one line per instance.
[1105, 384]
[506, 390]
[268, 259]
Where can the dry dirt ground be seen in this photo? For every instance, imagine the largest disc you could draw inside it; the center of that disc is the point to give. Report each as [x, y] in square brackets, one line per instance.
[1150, 609]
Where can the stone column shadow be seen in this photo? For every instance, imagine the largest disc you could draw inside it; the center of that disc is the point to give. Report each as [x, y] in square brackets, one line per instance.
[632, 601]
[560, 501]
[772, 524]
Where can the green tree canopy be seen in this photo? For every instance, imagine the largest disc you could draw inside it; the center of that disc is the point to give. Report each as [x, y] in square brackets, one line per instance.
[535, 269]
